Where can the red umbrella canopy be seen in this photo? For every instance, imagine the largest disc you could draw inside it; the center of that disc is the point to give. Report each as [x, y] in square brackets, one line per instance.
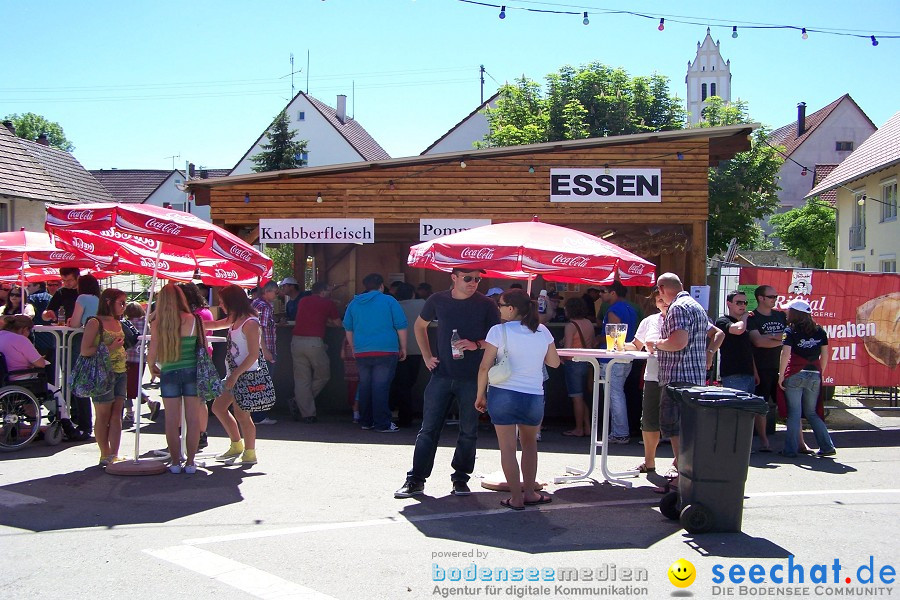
[35, 253]
[526, 249]
[143, 236]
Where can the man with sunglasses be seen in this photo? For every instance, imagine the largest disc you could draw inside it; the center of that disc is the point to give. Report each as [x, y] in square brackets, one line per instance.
[737, 368]
[471, 315]
[766, 326]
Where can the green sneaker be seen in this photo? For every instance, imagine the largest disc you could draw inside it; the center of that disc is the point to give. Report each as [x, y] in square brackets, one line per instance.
[233, 452]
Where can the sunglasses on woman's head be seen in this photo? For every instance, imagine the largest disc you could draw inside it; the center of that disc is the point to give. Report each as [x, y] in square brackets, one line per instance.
[470, 278]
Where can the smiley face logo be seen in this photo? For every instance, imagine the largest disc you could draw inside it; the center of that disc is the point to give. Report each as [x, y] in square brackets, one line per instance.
[682, 573]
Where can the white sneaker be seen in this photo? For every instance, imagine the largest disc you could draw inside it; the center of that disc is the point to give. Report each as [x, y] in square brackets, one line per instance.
[267, 421]
[392, 429]
[175, 468]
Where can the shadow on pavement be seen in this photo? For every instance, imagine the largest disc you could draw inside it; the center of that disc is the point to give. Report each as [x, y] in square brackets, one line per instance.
[91, 498]
[734, 545]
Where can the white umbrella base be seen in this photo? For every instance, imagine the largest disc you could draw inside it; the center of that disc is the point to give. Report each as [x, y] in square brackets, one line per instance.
[139, 467]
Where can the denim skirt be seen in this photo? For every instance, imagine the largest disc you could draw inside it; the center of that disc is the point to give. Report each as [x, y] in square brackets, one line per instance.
[509, 407]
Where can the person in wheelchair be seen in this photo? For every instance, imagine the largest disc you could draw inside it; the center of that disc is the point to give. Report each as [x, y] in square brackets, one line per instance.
[22, 361]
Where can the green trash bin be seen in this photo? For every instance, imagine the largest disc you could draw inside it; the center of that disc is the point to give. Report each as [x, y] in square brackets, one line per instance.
[714, 453]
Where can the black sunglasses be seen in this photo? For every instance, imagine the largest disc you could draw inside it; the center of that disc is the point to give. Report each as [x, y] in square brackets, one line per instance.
[741, 302]
[470, 278]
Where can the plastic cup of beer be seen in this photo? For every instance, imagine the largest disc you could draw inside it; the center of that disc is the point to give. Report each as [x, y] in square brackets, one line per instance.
[621, 332]
[611, 331]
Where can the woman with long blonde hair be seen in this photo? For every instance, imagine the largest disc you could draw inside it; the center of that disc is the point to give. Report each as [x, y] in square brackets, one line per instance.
[172, 356]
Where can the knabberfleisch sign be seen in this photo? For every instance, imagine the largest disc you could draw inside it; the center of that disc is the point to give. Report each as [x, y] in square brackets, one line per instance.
[317, 231]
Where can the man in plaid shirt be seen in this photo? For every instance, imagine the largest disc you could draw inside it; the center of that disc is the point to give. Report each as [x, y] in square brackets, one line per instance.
[681, 350]
[263, 306]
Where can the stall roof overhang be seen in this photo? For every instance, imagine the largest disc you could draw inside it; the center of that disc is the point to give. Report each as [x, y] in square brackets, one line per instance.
[724, 143]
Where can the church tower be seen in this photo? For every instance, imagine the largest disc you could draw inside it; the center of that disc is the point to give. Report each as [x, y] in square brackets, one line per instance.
[707, 76]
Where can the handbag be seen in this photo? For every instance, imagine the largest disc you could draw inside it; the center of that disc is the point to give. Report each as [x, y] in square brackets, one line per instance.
[92, 376]
[253, 391]
[502, 370]
[209, 384]
[131, 334]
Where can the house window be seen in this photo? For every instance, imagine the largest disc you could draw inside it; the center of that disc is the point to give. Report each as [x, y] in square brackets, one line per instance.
[301, 116]
[4, 216]
[702, 91]
[889, 264]
[889, 201]
[858, 265]
[712, 89]
[843, 146]
[857, 236]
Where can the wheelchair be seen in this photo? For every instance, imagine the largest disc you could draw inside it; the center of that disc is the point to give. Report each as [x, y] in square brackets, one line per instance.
[24, 402]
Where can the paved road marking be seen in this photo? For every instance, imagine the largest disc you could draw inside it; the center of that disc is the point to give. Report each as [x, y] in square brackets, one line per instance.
[14, 499]
[251, 580]
[490, 511]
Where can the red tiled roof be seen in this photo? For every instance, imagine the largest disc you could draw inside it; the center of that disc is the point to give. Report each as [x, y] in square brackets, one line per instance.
[787, 135]
[352, 131]
[131, 186]
[819, 174]
[880, 151]
[464, 119]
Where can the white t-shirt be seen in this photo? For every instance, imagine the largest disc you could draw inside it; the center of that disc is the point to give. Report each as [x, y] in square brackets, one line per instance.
[527, 350]
[239, 347]
[648, 331]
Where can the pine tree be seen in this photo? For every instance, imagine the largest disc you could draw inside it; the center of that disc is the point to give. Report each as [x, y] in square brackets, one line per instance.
[282, 152]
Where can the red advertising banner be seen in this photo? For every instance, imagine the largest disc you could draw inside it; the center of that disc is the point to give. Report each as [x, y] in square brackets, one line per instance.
[859, 311]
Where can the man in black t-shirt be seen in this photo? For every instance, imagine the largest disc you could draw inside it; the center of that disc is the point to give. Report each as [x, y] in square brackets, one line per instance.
[65, 296]
[766, 326]
[737, 369]
[471, 315]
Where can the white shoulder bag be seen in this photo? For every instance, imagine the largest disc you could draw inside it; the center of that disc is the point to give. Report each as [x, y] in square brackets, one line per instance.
[501, 371]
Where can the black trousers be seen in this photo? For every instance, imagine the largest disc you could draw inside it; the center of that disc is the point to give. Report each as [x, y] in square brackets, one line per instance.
[402, 389]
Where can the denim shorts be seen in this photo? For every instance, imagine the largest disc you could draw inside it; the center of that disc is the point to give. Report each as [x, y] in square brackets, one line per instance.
[118, 389]
[508, 407]
[178, 383]
[575, 373]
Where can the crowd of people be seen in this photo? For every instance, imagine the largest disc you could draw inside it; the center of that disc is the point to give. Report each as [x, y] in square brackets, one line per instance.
[778, 355]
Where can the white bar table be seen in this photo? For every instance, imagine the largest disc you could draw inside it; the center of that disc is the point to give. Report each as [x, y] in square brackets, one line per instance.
[592, 356]
[63, 337]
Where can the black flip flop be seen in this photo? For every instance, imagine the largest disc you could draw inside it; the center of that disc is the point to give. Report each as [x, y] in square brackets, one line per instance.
[506, 503]
[544, 499]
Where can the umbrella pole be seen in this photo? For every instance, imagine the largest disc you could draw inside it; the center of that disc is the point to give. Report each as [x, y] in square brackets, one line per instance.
[141, 358]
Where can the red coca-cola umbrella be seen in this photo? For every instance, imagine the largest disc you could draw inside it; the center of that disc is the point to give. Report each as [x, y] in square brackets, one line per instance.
[524, 250]
[147, 239]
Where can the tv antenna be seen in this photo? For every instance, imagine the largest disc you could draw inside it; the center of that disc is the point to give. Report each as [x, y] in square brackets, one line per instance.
[173, 159]
[291, 75]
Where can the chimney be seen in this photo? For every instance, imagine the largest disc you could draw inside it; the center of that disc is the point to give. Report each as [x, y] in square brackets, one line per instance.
[342, 108]
[42, 140]
[204, 174]
[801, 119]
[9, 125]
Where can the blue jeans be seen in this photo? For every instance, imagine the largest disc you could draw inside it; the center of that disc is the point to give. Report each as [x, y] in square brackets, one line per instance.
[801, 391]
[438, 400]
[375, 376]
[743, 382]
[618, 409]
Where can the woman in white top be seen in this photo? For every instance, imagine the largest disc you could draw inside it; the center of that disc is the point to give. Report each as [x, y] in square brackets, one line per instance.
[243, 349]
[517, 402]
[648, 331]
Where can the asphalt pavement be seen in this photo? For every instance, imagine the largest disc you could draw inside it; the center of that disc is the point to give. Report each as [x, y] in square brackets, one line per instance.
[316, 519]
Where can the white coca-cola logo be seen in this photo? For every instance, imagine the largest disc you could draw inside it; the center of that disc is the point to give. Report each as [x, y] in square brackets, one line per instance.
[571, 261]
[241, 253]
[62, 256]
[636, 268]
[223, 274]
[80, 215]
[163, 226]
[149, 262]
[83, 245]
[478, 253]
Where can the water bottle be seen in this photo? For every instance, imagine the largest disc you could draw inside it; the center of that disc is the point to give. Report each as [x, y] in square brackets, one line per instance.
[542, 302]
[454, 340]
[61, 318]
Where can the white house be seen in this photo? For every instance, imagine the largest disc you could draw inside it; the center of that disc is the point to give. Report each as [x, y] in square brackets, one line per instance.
[464, 134]
[709, 75]
[332, 137]
[865, 186]
[32, 175]
[825, 137]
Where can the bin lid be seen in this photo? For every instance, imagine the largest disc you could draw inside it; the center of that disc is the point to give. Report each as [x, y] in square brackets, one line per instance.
[720, 397]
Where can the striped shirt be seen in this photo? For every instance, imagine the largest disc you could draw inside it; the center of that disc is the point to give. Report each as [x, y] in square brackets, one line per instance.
[266, 324]
[133, 353]
[687, 365]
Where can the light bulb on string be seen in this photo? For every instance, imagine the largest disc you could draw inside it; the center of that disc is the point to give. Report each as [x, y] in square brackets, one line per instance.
[804, 172]
[862, 201]
[531, 169]
[679, 156]
[502, 11]
[462, 164]
[319, 197]
[391, 184]
[662, 24]
[874, 41]
[586, 21]
[606, 169]
[734, 33]
[804, 35]
[247, 198]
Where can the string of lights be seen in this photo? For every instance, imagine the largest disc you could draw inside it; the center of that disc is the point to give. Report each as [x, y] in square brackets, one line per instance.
[585, 12]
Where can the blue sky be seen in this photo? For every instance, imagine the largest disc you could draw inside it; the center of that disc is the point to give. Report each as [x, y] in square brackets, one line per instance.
[135, 82]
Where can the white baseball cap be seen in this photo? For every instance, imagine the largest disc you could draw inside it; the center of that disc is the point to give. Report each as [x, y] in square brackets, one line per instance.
[288, 281]
[800, 305]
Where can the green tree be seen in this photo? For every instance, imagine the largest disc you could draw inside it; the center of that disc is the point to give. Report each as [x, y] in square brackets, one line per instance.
[282, 152]
[29, 126]
[716, 112]
[282, 256]
[593, 100]
[807, 232]
[742, 190]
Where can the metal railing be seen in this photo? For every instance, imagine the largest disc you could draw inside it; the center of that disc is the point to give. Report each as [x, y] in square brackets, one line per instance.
[858, 237]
